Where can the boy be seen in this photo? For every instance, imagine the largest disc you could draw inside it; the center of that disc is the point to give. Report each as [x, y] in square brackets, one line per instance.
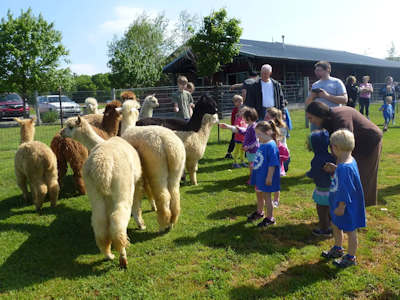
[387, 110]
[346, 199]
[182, 99]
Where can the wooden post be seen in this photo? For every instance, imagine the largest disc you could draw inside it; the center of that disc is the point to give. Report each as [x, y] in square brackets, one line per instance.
[113, 94]
[306, 84]
[36, 103]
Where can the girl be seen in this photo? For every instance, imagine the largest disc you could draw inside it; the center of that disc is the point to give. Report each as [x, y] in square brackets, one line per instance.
[284, 155]
[237, 102]
[387, 110]
[250, 143]
[265, 176]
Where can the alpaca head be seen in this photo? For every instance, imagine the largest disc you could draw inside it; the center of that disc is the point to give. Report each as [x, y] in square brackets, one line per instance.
[27, 129]
[209, 119]
[130, 110]
[74, 128]
[151, 101]
[205, 105]
[91, 105]
[128, 95]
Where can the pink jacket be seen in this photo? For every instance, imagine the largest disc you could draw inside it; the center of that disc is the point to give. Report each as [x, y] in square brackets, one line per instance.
[283, 156]
[239, 137]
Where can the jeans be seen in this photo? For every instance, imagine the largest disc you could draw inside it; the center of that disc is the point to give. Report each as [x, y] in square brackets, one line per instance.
[364, 103]
[231, 144]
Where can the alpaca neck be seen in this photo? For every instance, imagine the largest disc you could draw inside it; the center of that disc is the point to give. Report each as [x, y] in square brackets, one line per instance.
[89, 137]
[27, 134]
[128, 121]
[194, 123]
[146, 112]
[205, 131]
[110, 126]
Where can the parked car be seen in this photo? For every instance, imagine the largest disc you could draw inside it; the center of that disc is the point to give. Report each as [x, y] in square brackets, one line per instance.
[12, 105]
[52, 103]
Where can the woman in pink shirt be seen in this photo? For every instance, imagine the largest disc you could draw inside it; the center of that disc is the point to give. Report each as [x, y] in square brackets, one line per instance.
[366, 91]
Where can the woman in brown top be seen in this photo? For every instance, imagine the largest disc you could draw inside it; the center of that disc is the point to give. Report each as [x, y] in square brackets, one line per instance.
[368, 138]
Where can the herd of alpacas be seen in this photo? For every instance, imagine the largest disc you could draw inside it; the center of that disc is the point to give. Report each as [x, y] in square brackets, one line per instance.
[117, 155]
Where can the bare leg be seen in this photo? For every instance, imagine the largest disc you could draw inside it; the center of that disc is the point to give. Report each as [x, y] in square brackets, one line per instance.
[323, 216]
[337, 235]
[260, 202]
[268, 204]
[277, 196]
[353, 242]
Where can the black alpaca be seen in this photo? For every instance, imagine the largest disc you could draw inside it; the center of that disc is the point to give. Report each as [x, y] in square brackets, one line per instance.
[206, 105]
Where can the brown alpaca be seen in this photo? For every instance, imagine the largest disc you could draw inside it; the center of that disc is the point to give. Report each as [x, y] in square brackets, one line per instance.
[36, 165]
[69, 151]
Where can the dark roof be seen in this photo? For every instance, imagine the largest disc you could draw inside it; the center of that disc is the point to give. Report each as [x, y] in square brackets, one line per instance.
[292, 52]
[184, 63]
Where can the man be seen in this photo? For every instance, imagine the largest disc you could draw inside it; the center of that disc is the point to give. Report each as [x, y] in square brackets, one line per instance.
[264, 93]
[246, 85]
[327, 89]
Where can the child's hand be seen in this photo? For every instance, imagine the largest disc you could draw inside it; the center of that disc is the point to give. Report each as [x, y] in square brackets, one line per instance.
[176, 109]
[268, 181]
[339, 211]
[330, 168]
[245, 148]
[223, 125]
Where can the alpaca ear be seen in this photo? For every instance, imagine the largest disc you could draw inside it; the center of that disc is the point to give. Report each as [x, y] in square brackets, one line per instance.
[78, 121]
[118, 109]
[133, 109]
[18, 120]
[33, 119]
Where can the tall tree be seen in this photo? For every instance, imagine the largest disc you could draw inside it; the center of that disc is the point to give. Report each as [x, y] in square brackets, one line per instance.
[30, 53]
[186, 27]
[392, 53]
[102, 81]
[84, 83]
[138, 57]
[216, 43]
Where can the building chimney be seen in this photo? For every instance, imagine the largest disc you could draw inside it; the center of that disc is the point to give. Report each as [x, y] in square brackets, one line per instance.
[283, 41]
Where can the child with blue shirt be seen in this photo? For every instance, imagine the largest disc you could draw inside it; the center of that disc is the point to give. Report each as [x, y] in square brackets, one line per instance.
[266, 172]
[387, 110]
[346, 199]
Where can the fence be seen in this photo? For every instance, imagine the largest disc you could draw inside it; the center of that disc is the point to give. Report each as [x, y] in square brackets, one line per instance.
[222, 94]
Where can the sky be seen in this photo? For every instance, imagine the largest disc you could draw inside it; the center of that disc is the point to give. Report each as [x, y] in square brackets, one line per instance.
[360, 26]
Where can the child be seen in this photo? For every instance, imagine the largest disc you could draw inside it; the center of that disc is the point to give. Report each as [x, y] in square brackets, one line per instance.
[250, 143]
[190, 88]
[182, 100]
[387, 110]
[284, 155]
[318, 142]
[265, 176]
[237, 102]
[346, 199]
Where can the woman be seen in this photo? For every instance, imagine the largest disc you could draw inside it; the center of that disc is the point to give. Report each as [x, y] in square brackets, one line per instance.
[368, 138]
[366, 91]
[389, 90]
[352, 91]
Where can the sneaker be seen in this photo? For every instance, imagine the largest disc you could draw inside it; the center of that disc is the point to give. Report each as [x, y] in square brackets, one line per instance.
[244, 165]
[335, 252]
[267, 222]
[345, 261]
[275, 204]
[385, 128]
[255, 216]
[322, 233]
[228, 156]
[236, 166]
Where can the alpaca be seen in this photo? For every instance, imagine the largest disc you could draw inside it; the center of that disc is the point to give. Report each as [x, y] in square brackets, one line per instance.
[35, 164]
[162, 155]
[196, 143]
[112, 174]
[69, 151]
[205, 105]
[91, 106]
[108, 125]
[149, 103]
[130, 114]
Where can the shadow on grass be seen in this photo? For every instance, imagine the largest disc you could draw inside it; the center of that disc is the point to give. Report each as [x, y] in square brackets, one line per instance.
[232, 213]
[237, 184]
[68, 188]
[387, 192]
[288, 281]
[246, 238]
[50, 251]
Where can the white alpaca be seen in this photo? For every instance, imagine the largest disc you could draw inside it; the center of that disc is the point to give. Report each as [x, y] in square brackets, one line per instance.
[36, 165]
[130, 114]
[162, 155]
[149, 103]
[112, 175]
[196, 143]
[91, 106]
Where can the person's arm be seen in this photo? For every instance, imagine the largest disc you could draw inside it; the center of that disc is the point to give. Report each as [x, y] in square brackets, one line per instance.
[341, 99]
[339, 211]
[236, 86]
[311, 98]
[244, 93]
[270, 175]
[234, 129]
[281, 98]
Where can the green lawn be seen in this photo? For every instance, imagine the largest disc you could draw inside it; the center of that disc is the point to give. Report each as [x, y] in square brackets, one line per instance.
[212, 252]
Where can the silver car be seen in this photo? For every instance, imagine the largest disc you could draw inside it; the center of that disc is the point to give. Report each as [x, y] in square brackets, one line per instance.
[52, 103]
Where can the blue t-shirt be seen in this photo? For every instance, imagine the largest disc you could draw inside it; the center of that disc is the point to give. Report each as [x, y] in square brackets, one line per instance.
[333, 86]
[346, 187]
[267, 156]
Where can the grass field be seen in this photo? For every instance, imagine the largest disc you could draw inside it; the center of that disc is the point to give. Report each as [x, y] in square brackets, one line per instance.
[212, 252]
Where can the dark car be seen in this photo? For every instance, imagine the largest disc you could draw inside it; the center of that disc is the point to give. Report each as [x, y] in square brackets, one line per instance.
[12, 105]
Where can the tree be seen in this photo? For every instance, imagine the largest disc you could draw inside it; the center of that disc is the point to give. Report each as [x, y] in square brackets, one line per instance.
[60, 78]
[392, 53]
[138, 57]
[84, 83]
[216, 43]
[30, 53]
[186, 27]
[102, 81]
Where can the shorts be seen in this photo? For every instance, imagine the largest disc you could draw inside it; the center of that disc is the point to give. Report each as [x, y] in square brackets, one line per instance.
[321, 196]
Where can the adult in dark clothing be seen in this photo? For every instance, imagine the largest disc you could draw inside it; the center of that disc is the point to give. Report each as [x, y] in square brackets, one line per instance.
[264, 93]
[352, 91]
[367, 135]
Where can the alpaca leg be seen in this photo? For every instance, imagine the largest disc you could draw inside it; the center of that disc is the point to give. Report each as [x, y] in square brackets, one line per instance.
[175, 202]
[79, 180]
[150, 196]
[137, 207]
[163, 208]
[62, 168]
[192, 168]
[119, 221]
[54, 190]
[39, 191]
[21, 181]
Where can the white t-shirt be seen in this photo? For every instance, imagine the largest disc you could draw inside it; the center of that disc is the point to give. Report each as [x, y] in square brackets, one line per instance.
[267, 89]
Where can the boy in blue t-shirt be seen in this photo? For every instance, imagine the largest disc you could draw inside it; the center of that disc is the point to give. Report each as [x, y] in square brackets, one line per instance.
[387, 110]
[346, 199]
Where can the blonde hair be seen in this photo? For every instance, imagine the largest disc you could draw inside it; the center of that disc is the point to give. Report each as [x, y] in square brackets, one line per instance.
[182, 80]
[237, 98]
[389, 99]
[190, 86]
[351, 79]
[276, 115]
[264, 126]
[366, 76]
[343, 139]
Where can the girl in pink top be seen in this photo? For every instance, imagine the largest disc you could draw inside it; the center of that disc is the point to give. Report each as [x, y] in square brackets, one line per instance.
[366, 91]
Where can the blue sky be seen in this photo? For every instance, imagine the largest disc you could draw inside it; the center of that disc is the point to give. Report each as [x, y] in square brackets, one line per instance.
[365, 27]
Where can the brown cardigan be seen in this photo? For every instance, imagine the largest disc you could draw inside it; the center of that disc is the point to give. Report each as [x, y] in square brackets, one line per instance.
[366, 134]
